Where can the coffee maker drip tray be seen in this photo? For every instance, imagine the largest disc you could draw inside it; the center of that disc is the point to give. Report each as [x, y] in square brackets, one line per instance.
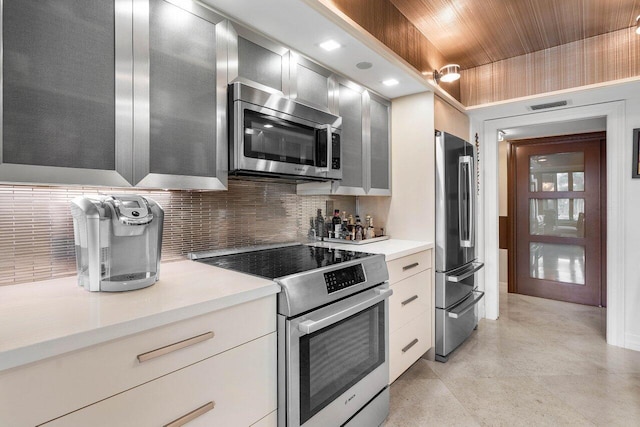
[128, 282]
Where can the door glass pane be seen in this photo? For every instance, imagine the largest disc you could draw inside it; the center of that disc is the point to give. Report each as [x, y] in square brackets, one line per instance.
[578, 181]
[556, 217]
[560, 263]
[557, 172]
[335, 358]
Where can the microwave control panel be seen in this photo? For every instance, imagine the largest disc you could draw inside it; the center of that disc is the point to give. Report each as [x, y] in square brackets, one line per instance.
[338, 280]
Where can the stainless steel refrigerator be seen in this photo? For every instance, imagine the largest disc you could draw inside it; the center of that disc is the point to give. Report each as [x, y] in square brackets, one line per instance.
[457, 296]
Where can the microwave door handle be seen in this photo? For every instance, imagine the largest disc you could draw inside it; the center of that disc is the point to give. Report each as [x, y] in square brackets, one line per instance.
[328, 142]
[464, 202]
[311, 326]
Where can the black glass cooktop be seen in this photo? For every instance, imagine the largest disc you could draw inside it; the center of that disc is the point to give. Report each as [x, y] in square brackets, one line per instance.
[279, 262]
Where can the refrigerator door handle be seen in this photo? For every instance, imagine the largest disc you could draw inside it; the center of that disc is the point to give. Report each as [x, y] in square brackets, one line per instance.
[465, 201]
[461, 311]
[475, 267]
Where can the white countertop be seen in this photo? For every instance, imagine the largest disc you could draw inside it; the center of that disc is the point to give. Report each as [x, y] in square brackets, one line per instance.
[52, 317]
[391, 249]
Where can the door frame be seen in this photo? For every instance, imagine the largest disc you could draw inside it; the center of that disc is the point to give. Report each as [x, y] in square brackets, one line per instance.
[617, 171]
[512, 283]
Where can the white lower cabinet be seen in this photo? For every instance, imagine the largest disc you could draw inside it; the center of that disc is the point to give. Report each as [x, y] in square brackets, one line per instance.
[153, 377]
[234, 388]
[411, 311]
[270, 420]
[407, 344]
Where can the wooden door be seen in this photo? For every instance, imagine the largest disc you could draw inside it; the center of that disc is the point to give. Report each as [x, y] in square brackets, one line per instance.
[557, 207]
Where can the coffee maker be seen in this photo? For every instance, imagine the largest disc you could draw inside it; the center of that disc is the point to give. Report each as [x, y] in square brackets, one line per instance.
[118, 240]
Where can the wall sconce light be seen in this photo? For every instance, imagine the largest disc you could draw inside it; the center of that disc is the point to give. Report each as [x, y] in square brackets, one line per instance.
[448, 73]
[638, 25]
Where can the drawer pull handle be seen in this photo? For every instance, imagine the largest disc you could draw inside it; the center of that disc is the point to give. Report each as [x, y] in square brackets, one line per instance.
[191, 415]
[173, 347]
[411, 344]
[410, 266]
[407, 301]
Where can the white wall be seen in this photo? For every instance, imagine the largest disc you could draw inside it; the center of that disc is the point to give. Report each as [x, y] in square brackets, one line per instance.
[632, 232]
[450, 120]
[411, 207]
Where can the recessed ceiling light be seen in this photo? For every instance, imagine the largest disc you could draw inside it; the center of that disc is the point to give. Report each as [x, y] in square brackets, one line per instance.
[390, 82]
[268, 126]
[364, 65]
[330, 45]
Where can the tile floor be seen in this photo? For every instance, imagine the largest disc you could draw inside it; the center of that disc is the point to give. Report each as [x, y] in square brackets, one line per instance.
[543, 363]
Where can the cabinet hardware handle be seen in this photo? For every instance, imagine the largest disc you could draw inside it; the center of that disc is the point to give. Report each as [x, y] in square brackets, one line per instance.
[407, 301]
[410, 266]
[411, 344]
[191, 415]
[173, 347]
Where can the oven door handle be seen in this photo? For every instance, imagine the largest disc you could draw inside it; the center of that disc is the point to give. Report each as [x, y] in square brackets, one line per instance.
[311, 326]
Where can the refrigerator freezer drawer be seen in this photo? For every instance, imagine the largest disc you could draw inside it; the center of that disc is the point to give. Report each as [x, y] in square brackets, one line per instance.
[454, 286]
[453, 326]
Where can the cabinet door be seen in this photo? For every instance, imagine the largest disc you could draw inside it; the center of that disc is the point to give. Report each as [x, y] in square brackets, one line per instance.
[258, 61]
[379, 151]
[180, 102]
[66, 92]
[310, 83]
[354, 128]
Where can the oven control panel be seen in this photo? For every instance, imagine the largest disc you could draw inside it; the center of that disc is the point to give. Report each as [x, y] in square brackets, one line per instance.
[338, 280]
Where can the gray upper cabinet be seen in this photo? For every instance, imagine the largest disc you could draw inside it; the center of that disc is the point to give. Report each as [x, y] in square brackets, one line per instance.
[257, 61]
[379, 151]
[311, 84]
[350, 105]
[180, 132]
[366, 144]
[114, 93]
[61, 122]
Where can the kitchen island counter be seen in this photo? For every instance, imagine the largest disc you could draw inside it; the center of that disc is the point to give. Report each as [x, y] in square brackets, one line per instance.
[49, 318]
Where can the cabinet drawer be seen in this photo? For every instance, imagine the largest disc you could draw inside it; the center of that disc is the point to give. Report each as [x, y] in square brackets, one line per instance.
[411, 297]
[240, 382]
[404, 267]
[404, 350]
[65, 383]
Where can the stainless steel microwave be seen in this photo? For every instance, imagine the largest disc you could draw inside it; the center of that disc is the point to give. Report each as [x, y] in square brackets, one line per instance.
[278, 137]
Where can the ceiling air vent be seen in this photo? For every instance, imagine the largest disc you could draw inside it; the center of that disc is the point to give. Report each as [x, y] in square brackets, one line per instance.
[548, 105]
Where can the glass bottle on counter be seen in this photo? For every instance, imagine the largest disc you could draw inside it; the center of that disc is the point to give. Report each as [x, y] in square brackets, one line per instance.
[337, 224]
[359, 234]
[320, 226]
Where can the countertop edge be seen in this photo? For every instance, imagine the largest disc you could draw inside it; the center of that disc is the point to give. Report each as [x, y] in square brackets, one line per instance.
[407, 252]
[393, 248]
[45, 349]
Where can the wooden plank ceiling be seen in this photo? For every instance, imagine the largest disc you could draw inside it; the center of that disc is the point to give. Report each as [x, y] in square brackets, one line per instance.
[478, 32]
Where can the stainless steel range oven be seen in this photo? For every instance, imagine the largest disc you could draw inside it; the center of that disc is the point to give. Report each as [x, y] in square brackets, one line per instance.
[333, 333]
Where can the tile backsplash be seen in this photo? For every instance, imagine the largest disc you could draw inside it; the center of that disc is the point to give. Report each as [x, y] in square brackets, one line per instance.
[36, 228]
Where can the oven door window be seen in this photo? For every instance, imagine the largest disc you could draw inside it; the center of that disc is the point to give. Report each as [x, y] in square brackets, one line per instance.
[337, 357]
[271, 138]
